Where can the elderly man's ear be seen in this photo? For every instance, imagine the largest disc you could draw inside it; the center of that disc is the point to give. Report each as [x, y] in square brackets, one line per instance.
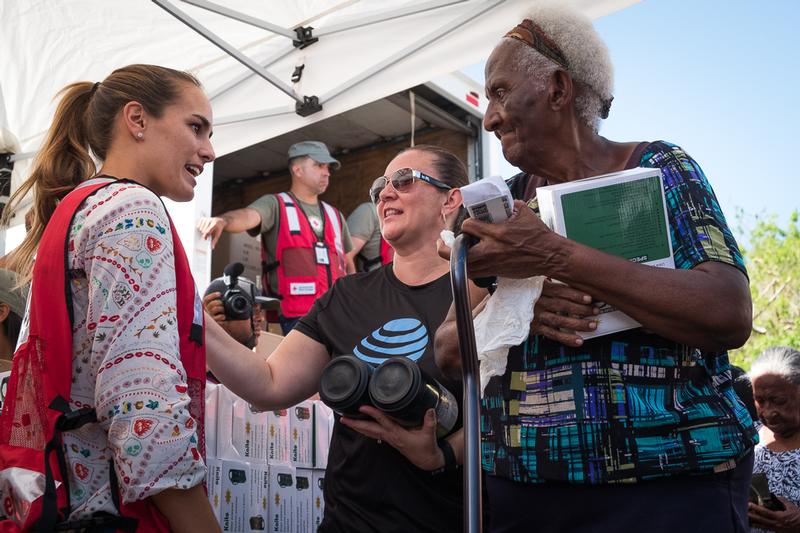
[560, 90]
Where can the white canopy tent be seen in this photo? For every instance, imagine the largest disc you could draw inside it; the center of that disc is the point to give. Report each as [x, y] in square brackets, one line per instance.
[366, 50]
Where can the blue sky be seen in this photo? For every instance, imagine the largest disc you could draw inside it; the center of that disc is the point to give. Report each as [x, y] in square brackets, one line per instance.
[720, 78]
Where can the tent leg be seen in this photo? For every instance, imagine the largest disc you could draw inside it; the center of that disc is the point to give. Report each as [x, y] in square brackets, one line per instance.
[388, 15]
[241, 17]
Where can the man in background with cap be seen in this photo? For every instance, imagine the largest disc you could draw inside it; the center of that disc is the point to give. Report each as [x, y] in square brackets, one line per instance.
[304, 242]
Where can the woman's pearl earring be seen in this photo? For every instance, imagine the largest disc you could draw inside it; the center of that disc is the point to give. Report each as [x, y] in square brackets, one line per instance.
[140, 135]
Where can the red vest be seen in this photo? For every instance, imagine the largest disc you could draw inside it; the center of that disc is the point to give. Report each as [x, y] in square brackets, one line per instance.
[33, 481]
[307, 265]
[387, 252]
[386, 257]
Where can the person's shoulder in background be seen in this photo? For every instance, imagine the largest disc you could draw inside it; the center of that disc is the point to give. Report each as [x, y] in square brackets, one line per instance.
[363, 221]
[267, 208]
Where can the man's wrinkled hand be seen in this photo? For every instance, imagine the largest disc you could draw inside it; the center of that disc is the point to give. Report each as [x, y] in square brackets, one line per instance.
[521, 247]
[561, 312]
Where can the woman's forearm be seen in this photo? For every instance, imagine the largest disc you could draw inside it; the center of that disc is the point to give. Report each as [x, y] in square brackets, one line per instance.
[290, 374]
[241, 370]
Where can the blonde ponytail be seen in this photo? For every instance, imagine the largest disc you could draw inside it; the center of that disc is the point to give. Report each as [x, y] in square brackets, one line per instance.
[62, 163]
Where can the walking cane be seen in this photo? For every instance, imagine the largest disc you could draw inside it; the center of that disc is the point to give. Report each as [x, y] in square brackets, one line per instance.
[471, 378]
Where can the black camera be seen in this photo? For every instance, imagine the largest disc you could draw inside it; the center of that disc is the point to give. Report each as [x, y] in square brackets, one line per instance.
[238, 304]
[761, 495]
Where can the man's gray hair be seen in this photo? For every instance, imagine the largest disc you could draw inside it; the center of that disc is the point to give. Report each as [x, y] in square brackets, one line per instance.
[585, 52]
[779, 360]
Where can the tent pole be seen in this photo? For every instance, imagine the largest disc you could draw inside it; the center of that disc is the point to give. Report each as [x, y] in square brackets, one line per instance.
[241, 17]
[470, 376]
[254, 115]
[402, 54]
[219, 91]
[227, 47]
[388, 15]
[323, 31]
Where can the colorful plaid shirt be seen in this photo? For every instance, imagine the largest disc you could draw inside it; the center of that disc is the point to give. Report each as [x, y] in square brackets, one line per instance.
[631, 405]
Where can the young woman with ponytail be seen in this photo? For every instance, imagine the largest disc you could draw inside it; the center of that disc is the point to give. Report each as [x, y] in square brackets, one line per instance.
[103, 417]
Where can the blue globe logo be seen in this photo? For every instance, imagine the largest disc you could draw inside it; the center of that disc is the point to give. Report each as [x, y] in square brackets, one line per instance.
[403, 337]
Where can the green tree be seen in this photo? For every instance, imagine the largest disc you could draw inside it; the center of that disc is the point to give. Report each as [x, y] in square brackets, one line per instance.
[773, 263]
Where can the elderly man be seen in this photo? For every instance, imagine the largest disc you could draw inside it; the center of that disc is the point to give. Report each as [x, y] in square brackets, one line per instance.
[304, 241]
[633, 431]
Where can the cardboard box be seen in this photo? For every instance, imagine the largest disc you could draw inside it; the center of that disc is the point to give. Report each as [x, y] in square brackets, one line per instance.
[4, 377]
[304, 500]
[214, 484]
[317, 490]
[234, 496]
[211, 413]
[302, 427]
[241, 433]
[267, 342]
[258, 506]
[623, 214]
[323, 430]
[279, 436]
[281, 498]
[241, 247]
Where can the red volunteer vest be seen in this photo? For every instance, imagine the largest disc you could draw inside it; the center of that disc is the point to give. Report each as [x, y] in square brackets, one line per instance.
[33, 480]
[387, 252]
[307, 265]
[386, 256]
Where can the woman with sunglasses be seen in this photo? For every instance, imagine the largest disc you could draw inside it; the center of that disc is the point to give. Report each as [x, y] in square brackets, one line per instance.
[380, 476]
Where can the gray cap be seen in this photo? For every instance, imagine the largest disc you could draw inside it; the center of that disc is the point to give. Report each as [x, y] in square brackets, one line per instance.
[316, 151]
[9, 294]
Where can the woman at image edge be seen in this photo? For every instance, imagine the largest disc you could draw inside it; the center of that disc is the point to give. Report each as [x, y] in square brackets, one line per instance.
[150, 126]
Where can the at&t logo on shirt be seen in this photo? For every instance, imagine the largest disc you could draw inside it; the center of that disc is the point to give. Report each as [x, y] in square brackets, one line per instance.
[402, 337]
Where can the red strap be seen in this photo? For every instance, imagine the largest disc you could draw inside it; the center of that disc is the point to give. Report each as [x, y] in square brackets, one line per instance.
[50, 289]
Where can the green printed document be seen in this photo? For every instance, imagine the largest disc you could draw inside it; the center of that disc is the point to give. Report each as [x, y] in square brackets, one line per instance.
[623, 214]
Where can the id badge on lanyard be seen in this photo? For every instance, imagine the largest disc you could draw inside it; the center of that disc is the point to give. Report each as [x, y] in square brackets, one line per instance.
[321, 252]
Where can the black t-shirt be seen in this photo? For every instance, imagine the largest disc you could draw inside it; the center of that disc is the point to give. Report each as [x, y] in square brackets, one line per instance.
[371, 486]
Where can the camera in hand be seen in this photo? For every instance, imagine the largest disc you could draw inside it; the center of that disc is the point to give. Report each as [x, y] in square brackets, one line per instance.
[761, 495]
[238, 304]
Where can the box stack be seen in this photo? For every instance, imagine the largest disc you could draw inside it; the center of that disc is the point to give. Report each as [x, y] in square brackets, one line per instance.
[266, 470]
[4, 377]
